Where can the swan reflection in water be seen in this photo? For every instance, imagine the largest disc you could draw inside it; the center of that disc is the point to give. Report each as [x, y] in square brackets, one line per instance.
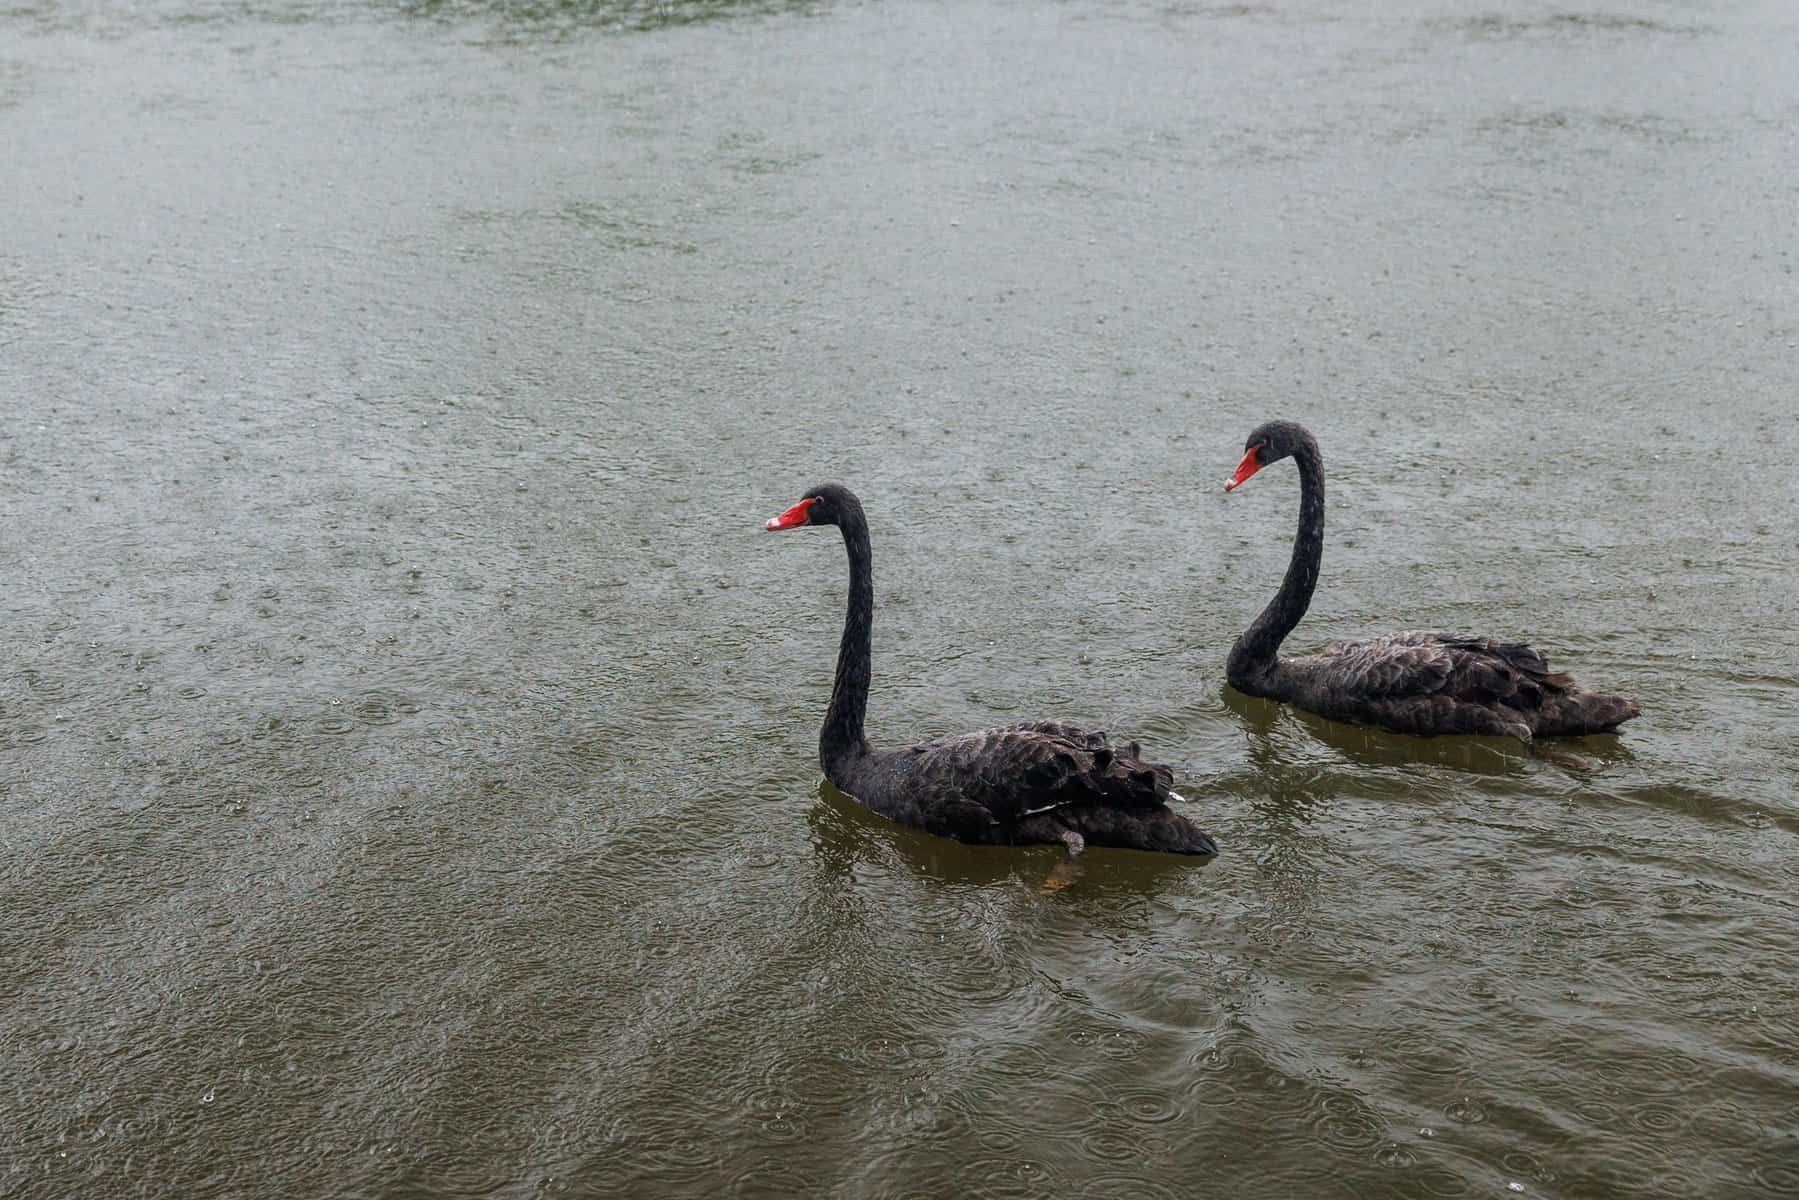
[845, 833]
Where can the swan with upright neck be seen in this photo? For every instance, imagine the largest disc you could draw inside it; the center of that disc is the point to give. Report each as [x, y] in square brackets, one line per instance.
[1418, 682]
[1039, 782]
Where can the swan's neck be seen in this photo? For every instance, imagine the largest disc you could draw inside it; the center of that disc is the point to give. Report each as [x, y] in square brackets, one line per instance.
[842, 732]
[1256, 651]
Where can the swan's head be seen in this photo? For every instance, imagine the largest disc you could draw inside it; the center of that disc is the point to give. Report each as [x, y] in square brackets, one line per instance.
[827, 504]
[1268, 443]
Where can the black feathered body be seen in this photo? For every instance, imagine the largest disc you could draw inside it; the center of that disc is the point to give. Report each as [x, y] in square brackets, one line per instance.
[1437, 683]
[1418, 682]
[1019, 785]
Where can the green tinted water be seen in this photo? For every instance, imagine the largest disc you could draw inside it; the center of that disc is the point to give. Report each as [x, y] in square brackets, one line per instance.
[407, 733]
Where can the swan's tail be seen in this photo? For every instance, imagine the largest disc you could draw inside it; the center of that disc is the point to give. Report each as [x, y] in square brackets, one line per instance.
[1608, 712]
[1586, 712]
[1160, 829]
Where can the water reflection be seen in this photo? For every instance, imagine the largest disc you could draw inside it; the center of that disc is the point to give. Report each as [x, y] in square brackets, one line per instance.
[556, 19]
[844, 833]
[1271, 728]
[1368, 747]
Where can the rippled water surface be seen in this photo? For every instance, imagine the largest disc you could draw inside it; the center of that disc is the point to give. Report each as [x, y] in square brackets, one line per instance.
[407, 733]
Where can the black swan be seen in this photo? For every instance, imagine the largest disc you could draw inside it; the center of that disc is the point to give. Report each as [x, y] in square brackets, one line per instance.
[1040, 782]
[1423, 683]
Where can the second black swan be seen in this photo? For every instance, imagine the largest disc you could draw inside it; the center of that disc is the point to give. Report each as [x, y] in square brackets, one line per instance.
[1039, 782]
[1422, 683]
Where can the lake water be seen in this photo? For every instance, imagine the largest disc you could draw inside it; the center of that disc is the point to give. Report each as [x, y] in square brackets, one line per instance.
[408, 778]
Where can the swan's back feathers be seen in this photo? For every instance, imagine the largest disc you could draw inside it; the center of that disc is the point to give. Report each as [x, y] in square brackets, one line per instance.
[1022, 770]
[1420, 663]
[1423, 682]
[1024, 784]
[1402, 664]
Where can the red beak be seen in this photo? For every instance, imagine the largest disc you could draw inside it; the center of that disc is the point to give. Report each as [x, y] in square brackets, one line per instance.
[1249, 466]
[794, 516]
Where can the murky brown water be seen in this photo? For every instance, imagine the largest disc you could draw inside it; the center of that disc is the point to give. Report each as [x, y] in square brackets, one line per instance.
[406, 731]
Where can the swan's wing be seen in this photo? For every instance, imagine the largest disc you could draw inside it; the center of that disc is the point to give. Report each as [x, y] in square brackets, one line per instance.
[1402, 664]
[1022, 770]
[1509, 673]
[1470, 670]
[1526, 660]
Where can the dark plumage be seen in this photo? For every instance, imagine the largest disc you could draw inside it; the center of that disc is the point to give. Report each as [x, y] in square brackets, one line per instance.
[1039, 782]
[1424, 683]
